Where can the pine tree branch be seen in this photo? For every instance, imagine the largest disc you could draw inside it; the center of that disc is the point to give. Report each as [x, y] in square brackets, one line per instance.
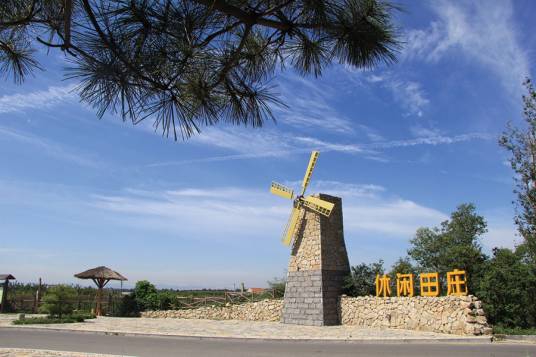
[24, 20]
[110, 42]
[246, 17]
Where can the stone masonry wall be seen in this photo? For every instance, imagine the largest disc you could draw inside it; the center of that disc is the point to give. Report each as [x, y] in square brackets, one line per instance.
[461, 315]
[447, 314]
[265, 310]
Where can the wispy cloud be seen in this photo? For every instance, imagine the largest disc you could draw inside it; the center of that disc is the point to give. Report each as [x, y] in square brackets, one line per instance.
[367, 208]
[431, 140]
[484, 31]
[50, 148]
[309, 105]
[341, 189]
[409, 94]
[204, 216]
[37, 100]
[232, 211]
[372, 147]
[253, 145]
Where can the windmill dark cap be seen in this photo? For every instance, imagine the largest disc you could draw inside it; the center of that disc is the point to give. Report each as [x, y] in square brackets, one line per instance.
[101, 272]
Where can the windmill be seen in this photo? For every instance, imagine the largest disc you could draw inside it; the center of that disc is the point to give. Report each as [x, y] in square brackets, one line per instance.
[300, 201]
[318, 261]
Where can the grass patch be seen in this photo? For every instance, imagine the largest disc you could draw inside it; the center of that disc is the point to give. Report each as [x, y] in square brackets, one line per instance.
[53, 320]
[513, 331]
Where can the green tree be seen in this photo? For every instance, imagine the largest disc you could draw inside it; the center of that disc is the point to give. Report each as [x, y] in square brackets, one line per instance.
[59, 301]
[191, 63]
[361, 281]
[402, 266]
[507, 290]
[521, 144]
[146, 295]
[455, 244]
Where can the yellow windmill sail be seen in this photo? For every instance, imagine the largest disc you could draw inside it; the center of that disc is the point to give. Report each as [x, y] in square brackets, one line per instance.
[318, 205]
[309, 171]
[313, 203]
[291, 226]
[281, 191]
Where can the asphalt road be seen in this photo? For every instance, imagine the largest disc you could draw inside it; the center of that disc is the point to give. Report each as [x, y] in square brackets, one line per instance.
[174, 346]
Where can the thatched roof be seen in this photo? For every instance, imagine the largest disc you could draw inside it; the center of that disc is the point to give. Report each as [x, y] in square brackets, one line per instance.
[6, 277]
[100, 273]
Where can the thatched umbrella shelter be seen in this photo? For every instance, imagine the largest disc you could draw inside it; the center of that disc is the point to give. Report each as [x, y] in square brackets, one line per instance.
[100, 276]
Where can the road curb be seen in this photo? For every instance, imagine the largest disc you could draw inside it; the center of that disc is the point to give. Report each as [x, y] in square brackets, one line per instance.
[454, 340]
[517, 338]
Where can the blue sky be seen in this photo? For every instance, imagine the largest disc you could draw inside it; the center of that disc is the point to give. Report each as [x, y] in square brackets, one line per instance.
[403, 145]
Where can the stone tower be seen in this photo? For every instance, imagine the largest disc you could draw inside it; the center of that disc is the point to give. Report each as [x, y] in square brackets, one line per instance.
[317, 267]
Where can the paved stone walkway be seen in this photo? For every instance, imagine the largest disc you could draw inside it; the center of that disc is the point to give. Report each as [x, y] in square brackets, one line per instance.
[23, 352]
[236, 329]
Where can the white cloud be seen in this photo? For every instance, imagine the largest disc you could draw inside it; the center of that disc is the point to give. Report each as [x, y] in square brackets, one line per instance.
[483, 31]
[374, 78]
[395, 217]
[409, 94]
[342, 189]
[420, 131]
[323, 145]
[502, 231]
[232, 212]
[431, 140]
[248, 144]
[260, 142]
[309, 105]
[37, 100]
[367, 209]
[503, 236]
[50, 148]
[248, 218]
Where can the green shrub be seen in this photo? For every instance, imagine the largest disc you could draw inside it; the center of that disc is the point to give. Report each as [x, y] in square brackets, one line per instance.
[80, 316]
[58, 301]
[75, 317]
[46, 320]
[128, 307]
[146, 296]
[166, 299]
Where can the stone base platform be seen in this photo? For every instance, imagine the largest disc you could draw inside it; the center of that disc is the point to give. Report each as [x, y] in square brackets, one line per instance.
[264, 330]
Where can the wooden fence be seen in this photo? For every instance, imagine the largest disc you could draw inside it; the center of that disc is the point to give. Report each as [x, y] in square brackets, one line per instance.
[29, 304]
[191, 302]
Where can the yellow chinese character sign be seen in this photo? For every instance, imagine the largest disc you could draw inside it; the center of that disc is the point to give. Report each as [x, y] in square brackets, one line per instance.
[382, 285]
[404, 285]
[429, 284]
[456, 283]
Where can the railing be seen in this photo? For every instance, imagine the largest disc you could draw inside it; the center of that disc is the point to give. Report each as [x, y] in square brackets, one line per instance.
[28, 304]
[191, 302]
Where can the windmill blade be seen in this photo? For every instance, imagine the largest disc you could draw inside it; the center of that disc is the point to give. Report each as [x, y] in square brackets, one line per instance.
[318, 205]
[291, 226]
[309, 171]
[281, 191]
